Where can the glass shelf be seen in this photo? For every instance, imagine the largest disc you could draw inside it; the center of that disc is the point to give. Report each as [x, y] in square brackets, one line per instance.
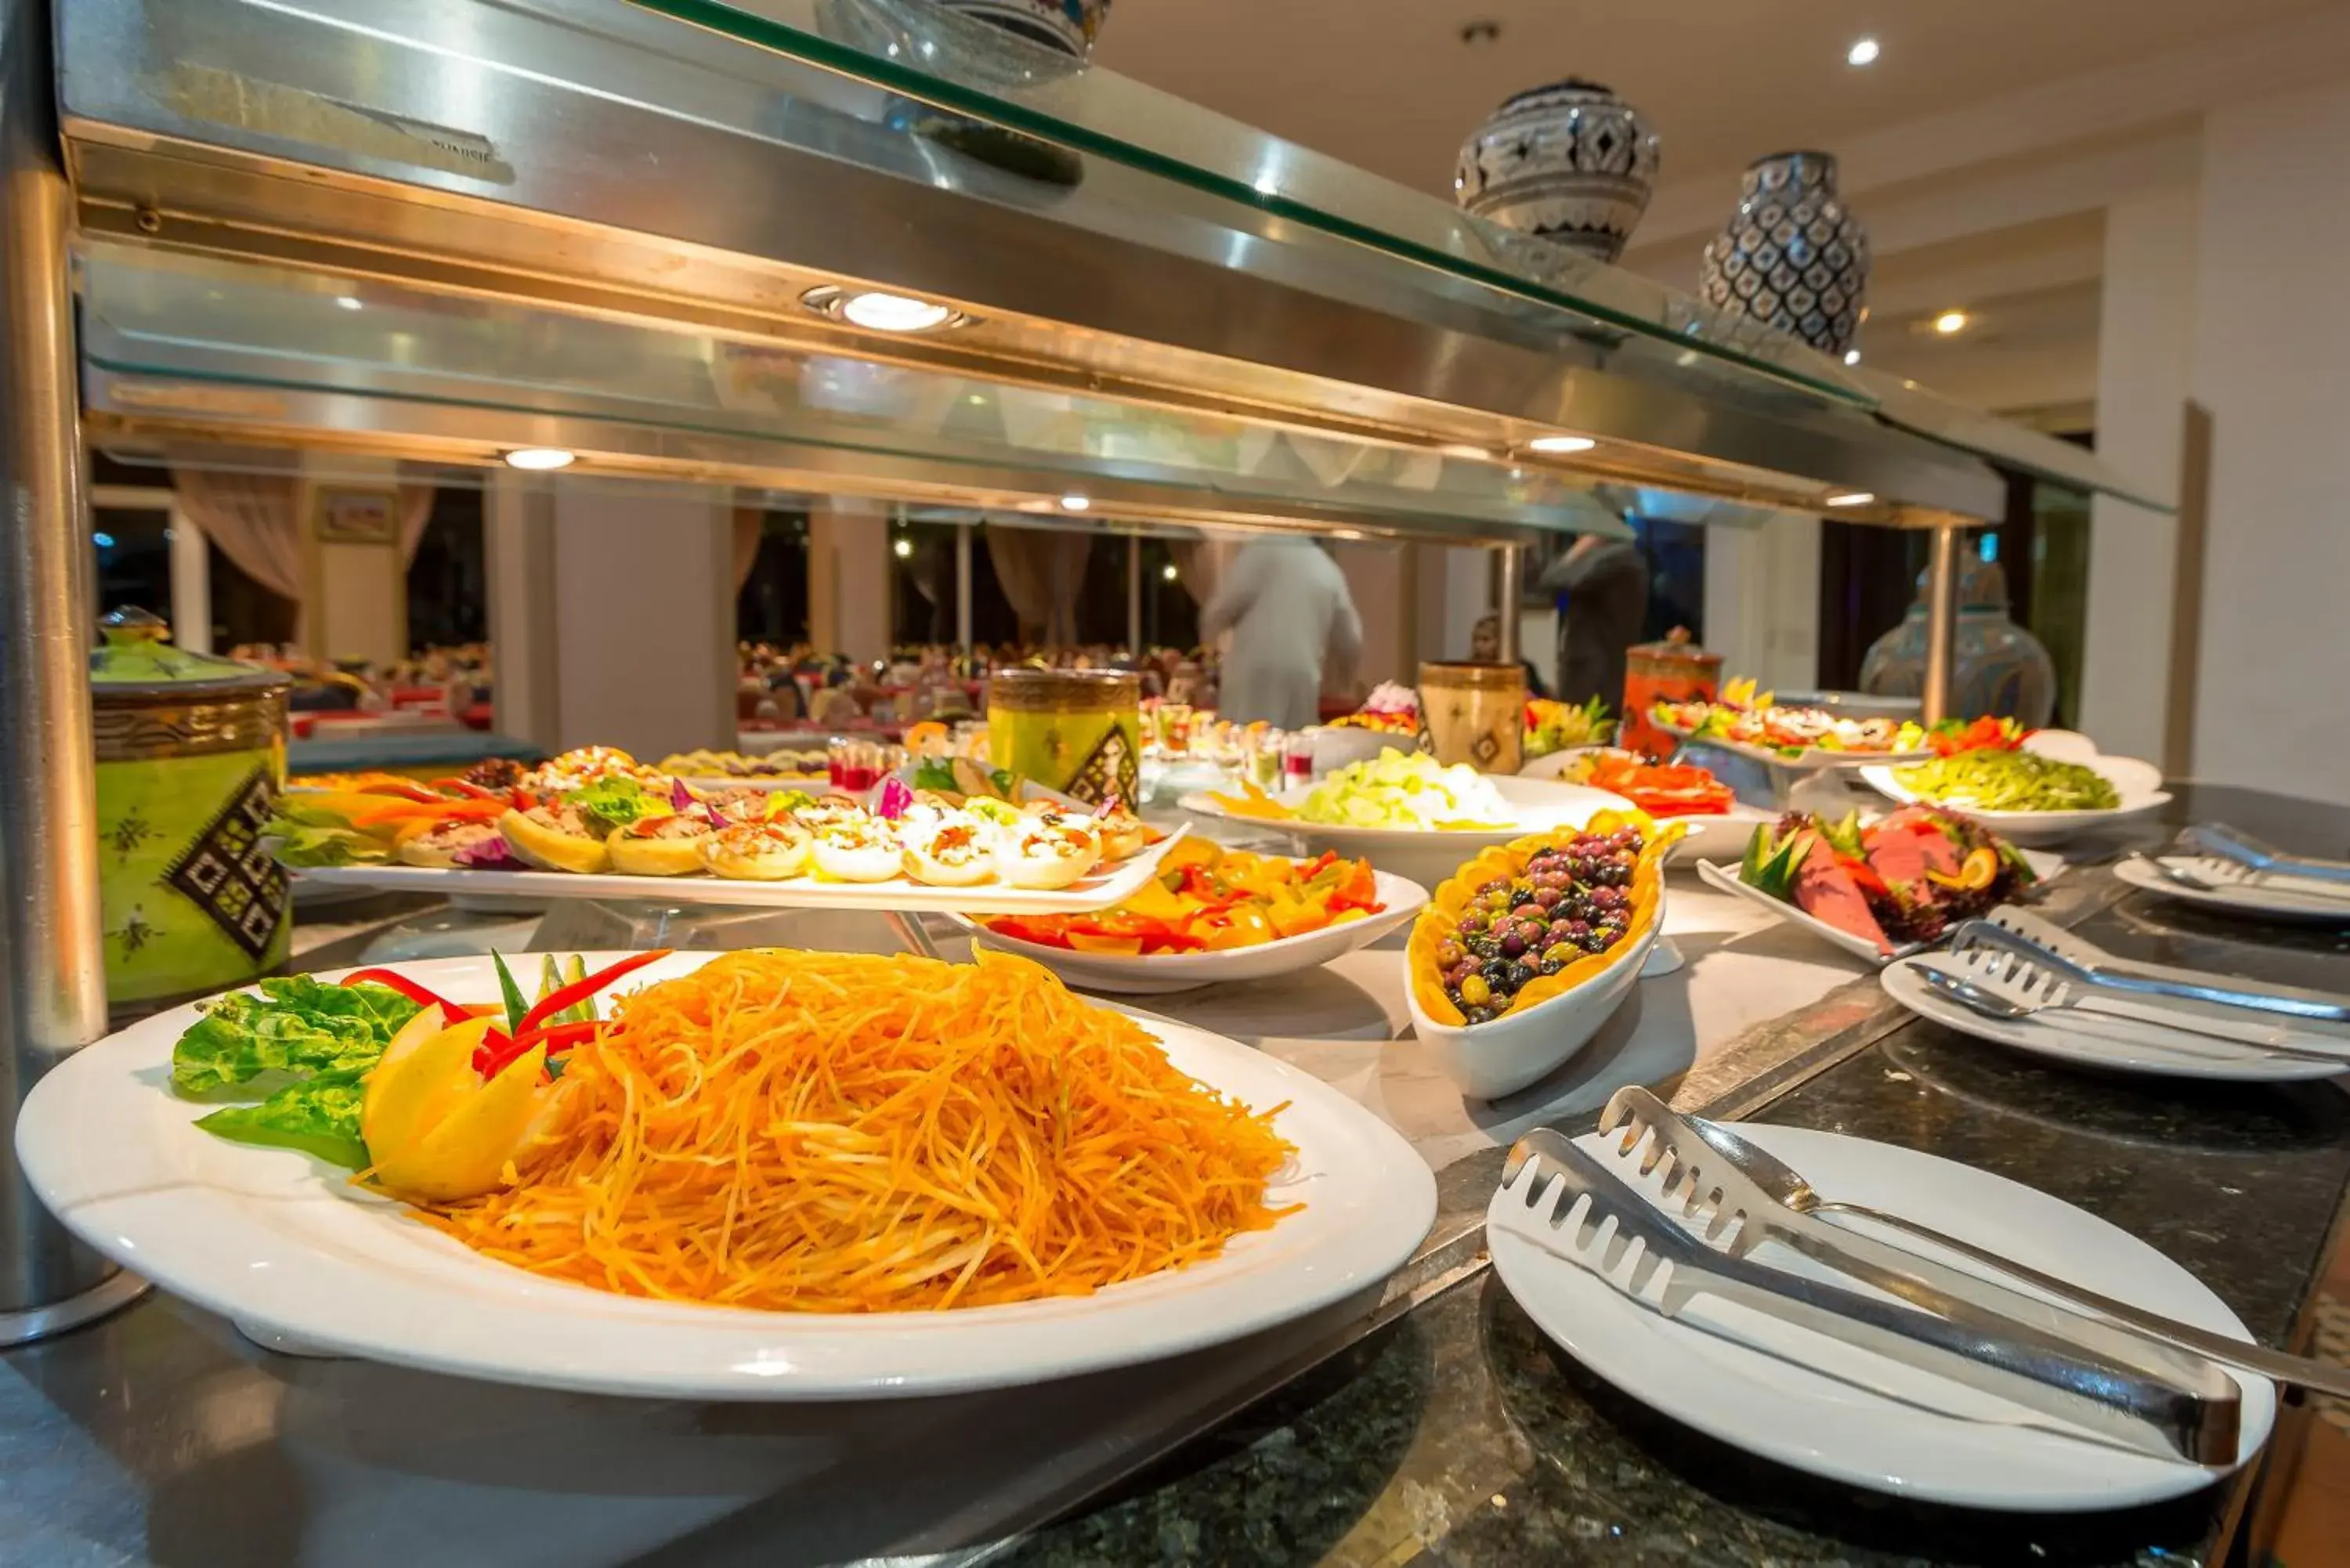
[431, 365]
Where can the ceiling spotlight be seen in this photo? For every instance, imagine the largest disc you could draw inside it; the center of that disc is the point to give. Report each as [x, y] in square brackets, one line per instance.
[1951, 321]
[539, 459]
[1560, 444]
[349, 302]
[1852, 356]
[1076, 501]
[901, 548]
[1852, 498]
[1862, 53]
[1167, 571]
[878, 312]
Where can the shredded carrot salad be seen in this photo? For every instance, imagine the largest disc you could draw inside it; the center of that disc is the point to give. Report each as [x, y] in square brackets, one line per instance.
[836, 1132]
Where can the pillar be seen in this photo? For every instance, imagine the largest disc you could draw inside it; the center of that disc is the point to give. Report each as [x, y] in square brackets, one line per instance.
[191, 583]
[2145, 349]
[1762, 601]
[518, 555]
[851, 589]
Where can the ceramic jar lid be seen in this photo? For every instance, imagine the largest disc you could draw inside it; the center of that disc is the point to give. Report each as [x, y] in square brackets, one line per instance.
[138, 664]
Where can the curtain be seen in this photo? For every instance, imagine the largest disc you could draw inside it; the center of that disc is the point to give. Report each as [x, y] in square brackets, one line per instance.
[254, 519]
[1041, 572]
[750, 522]
[414, 507]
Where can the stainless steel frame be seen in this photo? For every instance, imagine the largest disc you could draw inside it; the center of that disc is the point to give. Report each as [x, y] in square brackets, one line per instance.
[52, 976]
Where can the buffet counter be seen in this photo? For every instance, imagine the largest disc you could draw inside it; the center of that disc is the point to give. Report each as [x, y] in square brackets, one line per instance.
[1429, 1421]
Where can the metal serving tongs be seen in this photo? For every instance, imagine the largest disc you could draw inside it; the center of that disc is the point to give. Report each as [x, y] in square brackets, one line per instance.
[1759, 1172]
[2227, 843]
[2076, 959]
[1571, 1204]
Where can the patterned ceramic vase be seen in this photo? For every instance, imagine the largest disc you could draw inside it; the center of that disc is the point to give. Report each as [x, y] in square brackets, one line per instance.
[1794, 255]
[1474, 713]
[2001, 669]
[1571, 161]
[1069, 26]
[190, 756]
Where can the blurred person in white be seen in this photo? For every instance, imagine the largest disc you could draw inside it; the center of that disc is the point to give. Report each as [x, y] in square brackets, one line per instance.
[1285, 602]
[1603, 602]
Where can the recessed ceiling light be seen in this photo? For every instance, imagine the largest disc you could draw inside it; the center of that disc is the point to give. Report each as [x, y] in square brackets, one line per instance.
[1560, 444]
[877, 311]
[1167, 571]
[901, 548]
[1951, 321]
[1864, 52]
[1852, 356]
[1852, 498]
[1076, 501]
[349, 302]
[539, 458]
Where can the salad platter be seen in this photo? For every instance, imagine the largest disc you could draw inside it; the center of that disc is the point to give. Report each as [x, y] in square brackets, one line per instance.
[2044, 787]
[596, 825]
[211, 1149]
[1881, 890]
[1409, 813]
[1713, 820]
[1747, 722]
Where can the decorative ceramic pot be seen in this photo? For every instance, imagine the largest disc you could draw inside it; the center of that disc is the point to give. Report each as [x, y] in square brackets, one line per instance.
[1673, 670]
[1474, 713]
[1571, 161]
[1069, 26]
[190, 756]
[1076, 731]
[1794, 255]
[2001, 669]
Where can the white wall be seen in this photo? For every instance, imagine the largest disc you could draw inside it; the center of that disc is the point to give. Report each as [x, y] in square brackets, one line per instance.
[2145, 365]
[2271, 361]
[1762, 601]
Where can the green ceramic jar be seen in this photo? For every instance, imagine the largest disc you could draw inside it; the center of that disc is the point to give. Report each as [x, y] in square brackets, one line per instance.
[190, 758]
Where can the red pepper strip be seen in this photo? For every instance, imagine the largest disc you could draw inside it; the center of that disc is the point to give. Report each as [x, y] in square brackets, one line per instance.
[560, 1037]
[467, 789]
[406, 988]
[404, 789]
[496, 1053]
[579, 991]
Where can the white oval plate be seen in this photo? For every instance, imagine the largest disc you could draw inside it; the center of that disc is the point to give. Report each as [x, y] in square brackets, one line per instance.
[274, 1239]
[1425, 855]
[1161, 973]
[1810, 759]
[1724, 878]
[1784, 1411]
[2139, 784]
[2246, 893]
[1708, 834]
[2118, 1045]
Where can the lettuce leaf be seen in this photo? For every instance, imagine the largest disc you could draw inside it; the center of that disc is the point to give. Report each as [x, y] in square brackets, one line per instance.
[613, 802]
[318, 1114]
[295, 1025]
[302, 844]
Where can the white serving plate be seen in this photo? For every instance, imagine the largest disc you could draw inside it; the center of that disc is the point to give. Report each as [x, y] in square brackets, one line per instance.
[2246, 893]
[1812, 757]
[1161, 973]
[1716, 833]
[1490, 1060]
[2118, 1044]
[2139, 784]
[287, 1246]
[1423, 854]
[714, 783]
[1781, 1409]
[1723, 877]
[900, 895]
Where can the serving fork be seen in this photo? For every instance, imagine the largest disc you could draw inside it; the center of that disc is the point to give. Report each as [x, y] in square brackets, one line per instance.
[1570, 1204]
[1999, 985]
[1781, 1183]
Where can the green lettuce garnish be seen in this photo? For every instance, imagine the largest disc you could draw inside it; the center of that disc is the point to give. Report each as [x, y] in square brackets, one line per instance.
[318, 1114]
[302, 844]
[294, 1025]
[613, 802]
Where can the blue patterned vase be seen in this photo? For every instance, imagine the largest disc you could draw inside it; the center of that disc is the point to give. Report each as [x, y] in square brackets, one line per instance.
[1794, 255]
[1571, 161]
[1068, 26]
[1998, 669]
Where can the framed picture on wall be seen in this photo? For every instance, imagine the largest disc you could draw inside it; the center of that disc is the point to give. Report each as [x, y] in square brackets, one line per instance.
[356, 516]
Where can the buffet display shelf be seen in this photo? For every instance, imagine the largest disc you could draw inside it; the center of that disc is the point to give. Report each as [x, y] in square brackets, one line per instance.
[1431, 1418]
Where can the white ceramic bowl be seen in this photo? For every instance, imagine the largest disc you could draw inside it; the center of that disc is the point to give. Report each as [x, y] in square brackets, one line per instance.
[1422, 855]
[1490, 1060]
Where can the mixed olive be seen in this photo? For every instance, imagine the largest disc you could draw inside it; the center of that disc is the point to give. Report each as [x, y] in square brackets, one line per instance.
[1571, 900]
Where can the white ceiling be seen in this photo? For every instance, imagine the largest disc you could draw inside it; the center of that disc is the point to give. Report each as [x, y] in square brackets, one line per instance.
[1387, 84]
